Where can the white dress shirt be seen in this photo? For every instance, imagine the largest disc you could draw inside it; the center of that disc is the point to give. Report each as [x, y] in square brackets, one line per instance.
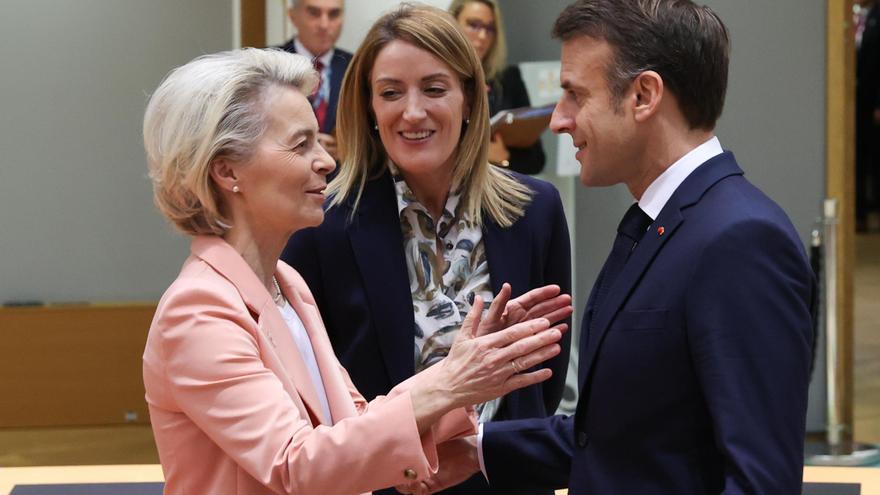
[652, 202]
[658, 193]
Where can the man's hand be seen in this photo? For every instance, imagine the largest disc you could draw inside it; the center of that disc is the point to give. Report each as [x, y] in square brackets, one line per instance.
[458, 461]
[543, 302]
[328, 142]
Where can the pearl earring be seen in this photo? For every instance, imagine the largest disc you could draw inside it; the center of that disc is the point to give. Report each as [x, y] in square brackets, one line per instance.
[235, 189]
[375, 127]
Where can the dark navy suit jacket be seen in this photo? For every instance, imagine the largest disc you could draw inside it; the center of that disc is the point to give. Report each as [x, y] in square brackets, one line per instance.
[357, 272]
[694, 371]
[338, 65]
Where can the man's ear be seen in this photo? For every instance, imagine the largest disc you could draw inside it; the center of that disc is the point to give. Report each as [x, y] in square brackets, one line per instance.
[648, 92]
[291, 14]
[224, 175]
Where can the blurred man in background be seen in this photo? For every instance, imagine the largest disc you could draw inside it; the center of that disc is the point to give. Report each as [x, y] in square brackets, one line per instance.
[318, 25]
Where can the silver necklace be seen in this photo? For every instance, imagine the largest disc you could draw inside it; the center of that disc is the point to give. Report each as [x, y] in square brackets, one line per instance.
[278, 297]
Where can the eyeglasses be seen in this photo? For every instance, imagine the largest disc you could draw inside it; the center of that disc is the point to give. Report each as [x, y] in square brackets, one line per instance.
[476, 26]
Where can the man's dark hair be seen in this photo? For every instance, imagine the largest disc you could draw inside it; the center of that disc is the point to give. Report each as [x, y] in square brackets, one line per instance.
[685, 43]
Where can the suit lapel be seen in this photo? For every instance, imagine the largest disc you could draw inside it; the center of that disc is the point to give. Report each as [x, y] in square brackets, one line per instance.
[638, 262]
[335, 388]
[337, 70]
[508, 258]
[671, 217]
[226, 261]
[377, 243]
[278, 333]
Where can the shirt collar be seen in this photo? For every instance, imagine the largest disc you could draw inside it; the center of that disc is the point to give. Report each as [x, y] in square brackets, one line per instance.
[325, 58]
[659, 192]
[406, 198]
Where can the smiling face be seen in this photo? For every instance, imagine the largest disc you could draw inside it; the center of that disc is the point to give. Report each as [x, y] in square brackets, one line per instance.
[282, 184]
[478, 23]
[318, 24]
[419, 106]
[603, 130]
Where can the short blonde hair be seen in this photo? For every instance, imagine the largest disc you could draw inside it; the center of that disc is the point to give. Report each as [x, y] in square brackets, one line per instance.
[496, 57]
[486, 188]
[212, 107]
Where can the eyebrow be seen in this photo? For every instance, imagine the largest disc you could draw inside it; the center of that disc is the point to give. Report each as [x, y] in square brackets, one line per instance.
[477, 19]
[301, 132]
[568, 85]
[311, 9]
[428, 78]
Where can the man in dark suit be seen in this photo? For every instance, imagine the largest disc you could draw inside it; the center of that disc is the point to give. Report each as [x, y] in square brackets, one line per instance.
[318, 24]
[695, 345]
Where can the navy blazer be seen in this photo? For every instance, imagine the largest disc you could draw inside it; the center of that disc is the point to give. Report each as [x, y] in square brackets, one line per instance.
[356, 269]
[694, 371]
[338, 65]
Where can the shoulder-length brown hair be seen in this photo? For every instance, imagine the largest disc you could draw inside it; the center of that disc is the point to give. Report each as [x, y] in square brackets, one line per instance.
[487, 189]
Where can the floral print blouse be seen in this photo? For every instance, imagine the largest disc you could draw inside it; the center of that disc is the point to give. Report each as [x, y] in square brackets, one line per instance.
[447, 267]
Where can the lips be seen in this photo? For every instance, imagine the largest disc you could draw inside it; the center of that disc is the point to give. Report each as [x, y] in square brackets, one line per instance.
[317, 190]
[419, 135]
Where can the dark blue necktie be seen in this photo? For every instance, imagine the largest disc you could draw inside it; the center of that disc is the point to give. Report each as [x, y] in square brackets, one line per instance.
[630, 231]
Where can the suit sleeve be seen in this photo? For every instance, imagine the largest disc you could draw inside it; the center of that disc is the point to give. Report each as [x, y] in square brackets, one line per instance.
[458, 423]
[528, 455]
[528, 160]
[557, 270]
[215, 372]
[749, 327]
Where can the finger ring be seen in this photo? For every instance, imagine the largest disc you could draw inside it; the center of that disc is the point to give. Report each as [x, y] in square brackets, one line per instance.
[515, 366]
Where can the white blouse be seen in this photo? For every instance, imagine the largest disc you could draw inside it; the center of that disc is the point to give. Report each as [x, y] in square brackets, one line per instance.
[301, 337]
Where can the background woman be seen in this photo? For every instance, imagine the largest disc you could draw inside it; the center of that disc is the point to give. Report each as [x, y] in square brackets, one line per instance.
[481, 21]
[244, 391]
[419, 222]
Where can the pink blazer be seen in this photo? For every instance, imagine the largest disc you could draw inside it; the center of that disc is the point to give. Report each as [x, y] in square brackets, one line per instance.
[233, 408]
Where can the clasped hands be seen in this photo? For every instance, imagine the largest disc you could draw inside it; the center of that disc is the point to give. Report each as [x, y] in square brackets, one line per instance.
[491, 357]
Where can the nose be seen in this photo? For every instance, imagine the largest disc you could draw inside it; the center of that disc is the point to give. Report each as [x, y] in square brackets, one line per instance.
[324, 164]
[415, 109]
[324, 21]
[560, 122]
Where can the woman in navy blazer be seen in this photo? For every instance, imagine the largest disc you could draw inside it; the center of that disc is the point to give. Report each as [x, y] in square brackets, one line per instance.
[418, 221]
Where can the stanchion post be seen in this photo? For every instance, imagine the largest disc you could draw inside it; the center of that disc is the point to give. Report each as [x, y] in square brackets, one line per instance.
[839, 448]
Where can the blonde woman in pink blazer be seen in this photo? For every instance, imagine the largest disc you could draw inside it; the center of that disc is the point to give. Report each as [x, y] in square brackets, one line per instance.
[244, 391]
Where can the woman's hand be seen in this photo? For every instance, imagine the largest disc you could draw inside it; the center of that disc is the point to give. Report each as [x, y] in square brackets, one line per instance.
[481, 368]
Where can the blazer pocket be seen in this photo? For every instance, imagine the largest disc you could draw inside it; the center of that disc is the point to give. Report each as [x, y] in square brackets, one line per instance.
[640, 320]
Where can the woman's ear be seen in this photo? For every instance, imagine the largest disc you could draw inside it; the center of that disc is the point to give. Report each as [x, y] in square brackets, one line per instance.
[224, 175]
[648, 88]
